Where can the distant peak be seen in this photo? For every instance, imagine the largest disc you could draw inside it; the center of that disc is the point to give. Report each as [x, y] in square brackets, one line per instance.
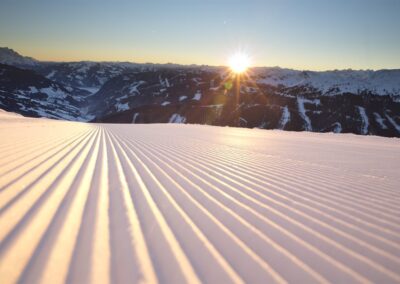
[11, 57]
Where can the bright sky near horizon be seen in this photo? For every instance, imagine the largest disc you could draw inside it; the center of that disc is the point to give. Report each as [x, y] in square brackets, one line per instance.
[300, 34]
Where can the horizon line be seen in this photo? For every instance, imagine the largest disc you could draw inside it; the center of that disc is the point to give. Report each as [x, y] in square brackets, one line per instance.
[202, 65]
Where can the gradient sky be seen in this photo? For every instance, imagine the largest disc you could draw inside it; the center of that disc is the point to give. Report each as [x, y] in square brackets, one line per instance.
[301, 34]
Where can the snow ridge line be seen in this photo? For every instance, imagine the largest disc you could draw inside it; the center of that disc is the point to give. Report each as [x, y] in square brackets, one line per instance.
[17, 247]
[117, 203]
[202, 238]
[338, 246]
[248, 250]
[248, 179]
[317, 189]
[245, 223]
[258, 168]
[30, 155]
[141, 258]
[278, 169]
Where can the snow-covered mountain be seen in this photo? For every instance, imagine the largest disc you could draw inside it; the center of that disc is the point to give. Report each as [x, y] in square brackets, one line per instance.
[30, 94]
[85, 74]
[92, 76]
[362, 102]
[10, 57]
[157, 88]
[381, 82]
[211, 97]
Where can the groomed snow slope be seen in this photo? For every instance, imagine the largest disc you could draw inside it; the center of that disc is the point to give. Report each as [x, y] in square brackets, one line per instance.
[99, 203]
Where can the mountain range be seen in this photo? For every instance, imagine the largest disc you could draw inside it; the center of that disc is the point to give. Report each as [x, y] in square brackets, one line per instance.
[347, 101]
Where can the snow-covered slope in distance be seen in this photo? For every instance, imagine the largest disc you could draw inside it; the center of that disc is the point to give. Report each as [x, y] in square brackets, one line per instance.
[381, 82]
[31, 94]
[83, 203]
[85, 74]
[93, 75]
[269, 98]
[10, 57]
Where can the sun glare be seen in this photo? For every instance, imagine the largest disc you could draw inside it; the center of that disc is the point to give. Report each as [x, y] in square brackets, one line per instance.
[239, 62]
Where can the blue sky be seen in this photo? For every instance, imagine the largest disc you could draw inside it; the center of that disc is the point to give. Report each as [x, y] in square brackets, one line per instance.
[301, 34]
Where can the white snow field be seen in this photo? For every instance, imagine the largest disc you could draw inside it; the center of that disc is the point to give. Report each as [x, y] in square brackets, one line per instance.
[173, 203]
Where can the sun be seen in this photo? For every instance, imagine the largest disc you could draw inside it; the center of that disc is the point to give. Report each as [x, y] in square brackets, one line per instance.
[239, 62]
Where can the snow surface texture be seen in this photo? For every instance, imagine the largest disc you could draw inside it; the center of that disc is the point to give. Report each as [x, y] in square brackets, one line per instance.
[93, 203]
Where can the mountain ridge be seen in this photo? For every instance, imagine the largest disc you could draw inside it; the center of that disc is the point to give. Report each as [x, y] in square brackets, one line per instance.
[361, 102]
[184, 65]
